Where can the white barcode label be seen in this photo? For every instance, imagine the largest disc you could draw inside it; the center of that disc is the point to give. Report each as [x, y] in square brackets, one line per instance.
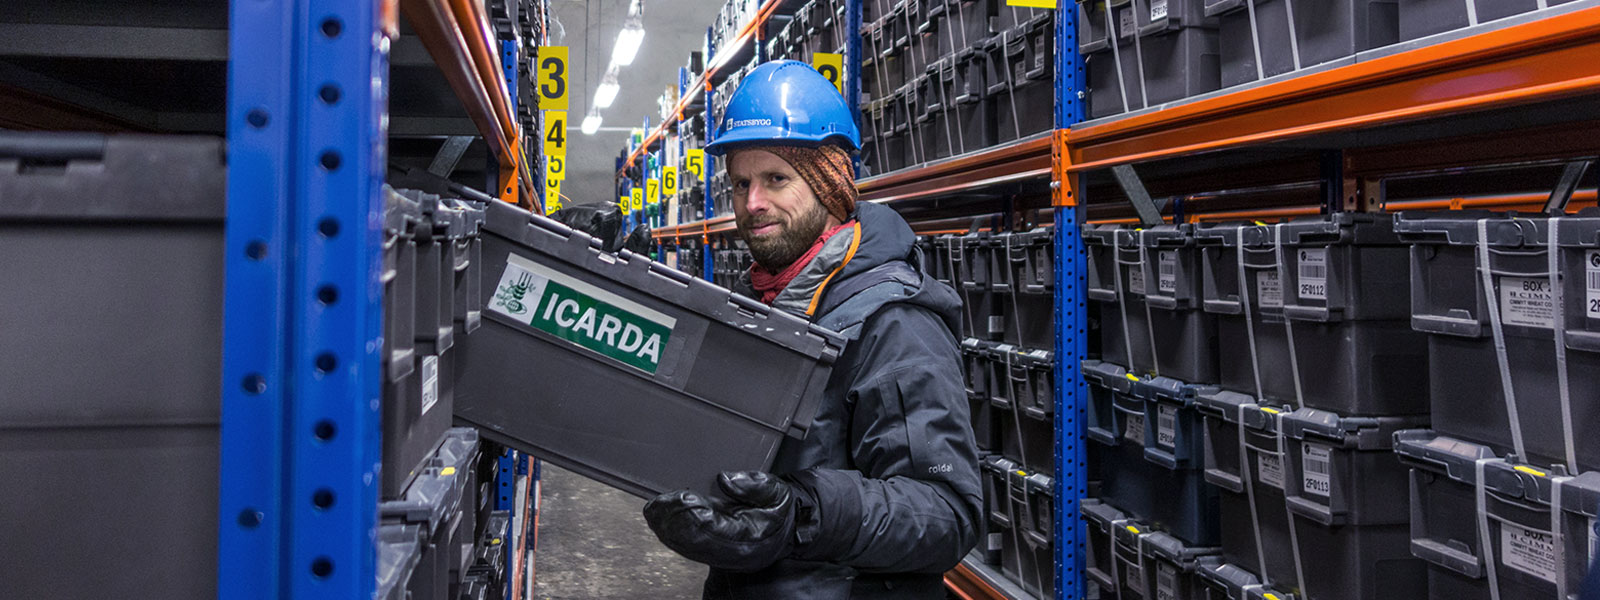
[1136, 280]
[1166, 582]
[1269, 469]
[1167, 276]
[1314, 273]
[1125, 23]
[1135, 576]
[1158, 10]
[1528, 550]
[1592, 298]
[1527, 301]
[997, 323]
[1166, 426]
[430, 382]
[995, 540]
[1269, 290]
[1134, 430]
[1314, 468]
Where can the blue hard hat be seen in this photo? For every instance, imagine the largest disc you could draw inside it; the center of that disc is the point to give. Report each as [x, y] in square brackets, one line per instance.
[785, 102]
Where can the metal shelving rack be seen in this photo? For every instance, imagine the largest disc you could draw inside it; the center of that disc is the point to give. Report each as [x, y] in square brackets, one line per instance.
[307, 130]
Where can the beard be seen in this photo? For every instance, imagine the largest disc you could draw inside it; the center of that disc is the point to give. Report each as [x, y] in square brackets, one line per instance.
[775, 252]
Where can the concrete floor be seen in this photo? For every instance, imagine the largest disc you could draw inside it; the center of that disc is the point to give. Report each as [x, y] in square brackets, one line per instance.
[594, 545]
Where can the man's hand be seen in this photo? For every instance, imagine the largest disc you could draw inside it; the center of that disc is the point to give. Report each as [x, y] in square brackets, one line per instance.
[749, 531]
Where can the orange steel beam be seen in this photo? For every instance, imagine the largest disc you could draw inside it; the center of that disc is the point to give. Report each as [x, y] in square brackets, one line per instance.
[474, 26]
[1540, 60]
[966, 584]
[700, 228]
[1519, 202]
[1033, 148]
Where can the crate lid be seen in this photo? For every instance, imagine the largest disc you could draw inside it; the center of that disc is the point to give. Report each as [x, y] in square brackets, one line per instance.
[1100, 514]
[1106, 375]
[1582, 231]
[1165, 546]
[1353, 433]
[1167, 389]
[124, 177]
[1361, 229]
[995, 463]
[1228, 405]
[1228, 577]
[1102, 234]
[1457, 459]
[400, 214]
[435, 495]
[1460, 228]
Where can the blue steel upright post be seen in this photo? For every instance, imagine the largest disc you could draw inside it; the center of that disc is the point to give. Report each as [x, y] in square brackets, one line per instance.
[852, 64]
[1072, 316]
[307, 94]
[708, 266]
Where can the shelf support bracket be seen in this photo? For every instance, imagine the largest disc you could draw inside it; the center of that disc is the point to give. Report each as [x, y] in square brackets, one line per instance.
[1128, 179]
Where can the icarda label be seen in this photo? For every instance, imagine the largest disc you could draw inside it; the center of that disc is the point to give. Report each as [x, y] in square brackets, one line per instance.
[582, 314]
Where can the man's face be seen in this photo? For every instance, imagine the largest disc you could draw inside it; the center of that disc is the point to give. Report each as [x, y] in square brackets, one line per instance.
[775, 210]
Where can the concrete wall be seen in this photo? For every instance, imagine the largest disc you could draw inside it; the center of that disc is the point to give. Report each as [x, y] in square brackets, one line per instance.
[672, 29]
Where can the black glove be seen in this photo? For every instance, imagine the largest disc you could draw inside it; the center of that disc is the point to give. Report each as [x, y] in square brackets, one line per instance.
[749, 531]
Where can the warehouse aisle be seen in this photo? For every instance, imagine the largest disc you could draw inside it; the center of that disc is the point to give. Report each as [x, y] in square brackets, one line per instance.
[594, 545]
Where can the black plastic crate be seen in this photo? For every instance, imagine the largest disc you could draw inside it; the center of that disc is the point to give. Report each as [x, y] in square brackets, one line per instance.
[1153, 565]
[1030, 548]
[1144, 323]
[998, 524]
[1539, 524]
[1467, 392]
[435, 502]
[113, 271]
[622, 333]
[1179, 63]
[1314, 479]
[1011, 17]
[1023, 93]
[1346, 283]
[1422, 18]
[977, 356]
[967, 24]
[1025, 436]
[1174, 435]
[1110, 58]
[1032, 261]
[1321, 32]
[1171, 15]
[1232, 582]
[1099, 551]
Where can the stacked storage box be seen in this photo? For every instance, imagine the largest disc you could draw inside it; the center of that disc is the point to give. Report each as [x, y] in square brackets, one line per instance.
[1125, 558]
[1422, 18]
[1143, 53]
[1294, 35]
[1021, 73]
[1298, 434]
[1503, 486]
[427, 533]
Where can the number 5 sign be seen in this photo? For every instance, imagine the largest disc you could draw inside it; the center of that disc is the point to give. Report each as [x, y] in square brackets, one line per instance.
[552, 77]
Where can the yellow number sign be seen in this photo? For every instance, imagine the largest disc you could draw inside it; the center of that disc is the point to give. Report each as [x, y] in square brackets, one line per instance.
[669, 182]
[555, 133]
[627, 206]
[652, 191]
[831, 66]
[1050, 4]
[552, 196]
[553, 77]
[638, 199]
[696, 163]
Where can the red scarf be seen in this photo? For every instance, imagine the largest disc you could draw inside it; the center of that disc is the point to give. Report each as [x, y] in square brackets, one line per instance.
[768, 284]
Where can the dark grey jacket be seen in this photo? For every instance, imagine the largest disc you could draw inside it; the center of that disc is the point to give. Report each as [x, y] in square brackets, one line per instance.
[890, 454]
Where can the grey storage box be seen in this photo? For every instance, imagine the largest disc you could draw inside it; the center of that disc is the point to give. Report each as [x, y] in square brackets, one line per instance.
[1112, 62]
[1179, 63]
[1540, 535]
[997, 506]
[1322, 31]
[618, 367]
[1422, 18]
[1346, 281]
[1156, 324]
[1020, 78]
[977, 357]
[1467, 389]
[1232, 582]
[970, 22]
[1156, 566]
[1026, 432]
[1032, 261]
[1099, 550]
[1351, 543]
[1031, 548]
[399, 552]
[438, 503]
[961, 121]
[113, 291]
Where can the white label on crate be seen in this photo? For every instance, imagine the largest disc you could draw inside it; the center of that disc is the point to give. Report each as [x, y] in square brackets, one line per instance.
[1594, 544]
[1314, 469]
[1136, 280]
[1167, 273]
[1592, 279]
[1166, 426]
[995, 541]
[1269, 291]
[1528, 550]
[1314, 273]
[1133, 431]
[1158, 10]
[430, 382]
[1527, 301]
[582, 313]
[997, 323]
[1135, 576]
[1125, 24]
[1269, 469]
[1166, 582]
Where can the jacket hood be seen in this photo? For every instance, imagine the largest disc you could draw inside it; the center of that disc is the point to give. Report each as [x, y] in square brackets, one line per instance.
[886, 238]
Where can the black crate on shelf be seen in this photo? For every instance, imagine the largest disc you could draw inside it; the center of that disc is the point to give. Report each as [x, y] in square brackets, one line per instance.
[113, 251]
[1422, 18]
[1322, 32]
[1023, 96]
[1012, 17]
[1539, 524]
[1344, 281]
[1313, 478]
[1179, 63]
[1099, 556]
[1153, 565]
[1467, 389]
[1106, 39]
[1027, 437]
[1152, 321]
[977, 358]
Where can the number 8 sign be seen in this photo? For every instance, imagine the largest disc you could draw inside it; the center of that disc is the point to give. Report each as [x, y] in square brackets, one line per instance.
[831, 66]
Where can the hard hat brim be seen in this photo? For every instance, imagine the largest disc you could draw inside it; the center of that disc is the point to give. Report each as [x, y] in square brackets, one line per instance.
[745, 137]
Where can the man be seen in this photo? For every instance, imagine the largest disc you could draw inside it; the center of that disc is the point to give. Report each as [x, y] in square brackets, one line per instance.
[883, 496]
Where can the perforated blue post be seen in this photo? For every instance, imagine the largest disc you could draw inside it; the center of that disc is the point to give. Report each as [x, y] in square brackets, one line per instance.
[1072, 315]
[852, 64]
[708, 265]
[508, 64]
[307, 95]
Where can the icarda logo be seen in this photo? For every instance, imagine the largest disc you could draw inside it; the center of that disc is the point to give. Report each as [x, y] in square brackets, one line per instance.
[582, 314]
